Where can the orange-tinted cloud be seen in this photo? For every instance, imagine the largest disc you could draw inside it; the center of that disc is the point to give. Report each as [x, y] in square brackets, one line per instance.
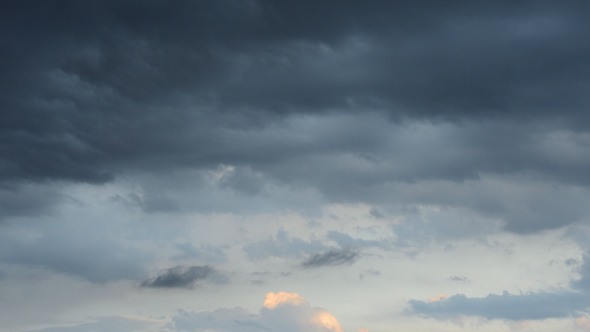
[440, 297]
[272, 300]
[583, 323]
[327, 321]
[315, 319]
[282, 311]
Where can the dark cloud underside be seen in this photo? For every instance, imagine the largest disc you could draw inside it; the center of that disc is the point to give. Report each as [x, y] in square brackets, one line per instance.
[350, 101]
[179, 277]
[332, 257]
[92, 88]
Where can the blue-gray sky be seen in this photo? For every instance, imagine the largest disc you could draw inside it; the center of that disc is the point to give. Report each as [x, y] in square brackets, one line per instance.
[407, 166]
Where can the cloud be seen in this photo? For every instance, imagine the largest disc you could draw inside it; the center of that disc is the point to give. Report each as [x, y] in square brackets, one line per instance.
[272, 300]
[438, 298]
[91, 248]
[458, 278]
[271, 102]
[332, 257]
[180, 277]
[505, 306]
[208, 253]
[559, 303]
[582, 323]
[584, 282]
[112, 323]
[452, 121]
[29, 200]
[345, 240]
[71, 100]
[282, 311]
[282, 245]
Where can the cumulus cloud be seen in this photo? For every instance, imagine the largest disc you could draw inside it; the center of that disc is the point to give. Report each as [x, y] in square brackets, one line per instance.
[282, 311]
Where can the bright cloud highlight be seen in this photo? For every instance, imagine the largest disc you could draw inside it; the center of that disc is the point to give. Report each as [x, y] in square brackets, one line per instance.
[272, 300]
[282, 311]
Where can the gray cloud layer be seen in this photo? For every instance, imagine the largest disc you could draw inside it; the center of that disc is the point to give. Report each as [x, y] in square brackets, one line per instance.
[92, 249]
[98, 91]
[506, 306]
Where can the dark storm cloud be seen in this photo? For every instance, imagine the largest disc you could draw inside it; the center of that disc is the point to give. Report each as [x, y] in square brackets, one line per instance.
[180, 277]
[95, 85]
[304, 94]
[28, 200]
[332, 257]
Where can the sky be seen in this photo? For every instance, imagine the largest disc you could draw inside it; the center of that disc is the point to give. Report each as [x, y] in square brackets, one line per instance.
[294, 166]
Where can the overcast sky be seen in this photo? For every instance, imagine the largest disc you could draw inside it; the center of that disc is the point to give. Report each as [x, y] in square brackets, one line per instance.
[294, 166]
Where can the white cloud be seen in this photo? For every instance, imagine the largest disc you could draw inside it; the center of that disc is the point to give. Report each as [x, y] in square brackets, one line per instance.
[282, 311]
